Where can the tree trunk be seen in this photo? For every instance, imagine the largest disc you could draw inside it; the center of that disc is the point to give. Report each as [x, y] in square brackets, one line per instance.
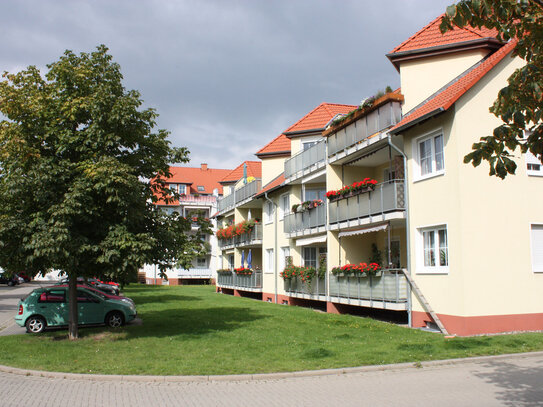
[72, 303]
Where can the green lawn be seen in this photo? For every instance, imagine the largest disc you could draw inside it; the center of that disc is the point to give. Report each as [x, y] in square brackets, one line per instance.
[192, 330]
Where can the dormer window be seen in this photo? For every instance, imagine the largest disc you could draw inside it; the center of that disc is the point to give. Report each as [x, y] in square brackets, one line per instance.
[201, 188]
[182, 189]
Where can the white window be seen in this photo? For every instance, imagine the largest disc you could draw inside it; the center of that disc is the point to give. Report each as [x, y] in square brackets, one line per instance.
[537, 248]
[269, 261]
[201, 188]
[429, 155]
[284, 206]
[285, 252]
[433, 250]
[201, 263]
[182, 189]
[268, 212]
[311, 194]
[533, 165]
[231, 262]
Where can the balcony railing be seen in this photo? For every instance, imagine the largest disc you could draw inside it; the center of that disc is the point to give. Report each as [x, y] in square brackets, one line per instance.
[303, 222]
[232, 280]
[305, 161]
[376, 121]
[390, 286]
[253, 237]
[386, 197]
[239, 195]
[296, 286]
[246, 239]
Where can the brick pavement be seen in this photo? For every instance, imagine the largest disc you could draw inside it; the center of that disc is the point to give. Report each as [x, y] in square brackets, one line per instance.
[489, 381]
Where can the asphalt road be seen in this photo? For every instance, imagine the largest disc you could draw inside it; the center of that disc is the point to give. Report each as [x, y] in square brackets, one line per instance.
[9, 298]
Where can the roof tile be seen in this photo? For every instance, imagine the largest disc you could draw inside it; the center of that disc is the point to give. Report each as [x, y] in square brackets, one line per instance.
[254, 169]
[431, 36]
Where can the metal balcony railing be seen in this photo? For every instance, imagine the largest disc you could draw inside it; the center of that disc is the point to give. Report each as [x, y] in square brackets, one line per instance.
[296, 286]
[306, 220]
[376, 121]
[386, 197]
[232, 280]
[390, 286]
[302, 163]
[253, 237]
[239, 195]
[226, 242]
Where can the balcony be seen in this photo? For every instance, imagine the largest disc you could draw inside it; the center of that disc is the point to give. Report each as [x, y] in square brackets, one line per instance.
[387, 201]
[306, 222]
[350, 138]
[195, 272]
[241, 282]
[253, 238]
[294, 287]
[306, 162]
[239, 196]
[386, 291]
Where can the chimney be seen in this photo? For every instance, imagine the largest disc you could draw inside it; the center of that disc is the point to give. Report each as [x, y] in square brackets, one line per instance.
[203, 167]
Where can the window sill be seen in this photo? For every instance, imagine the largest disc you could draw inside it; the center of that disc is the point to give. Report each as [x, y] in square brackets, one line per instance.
[428, 176]
[439, 271]
[535, 173]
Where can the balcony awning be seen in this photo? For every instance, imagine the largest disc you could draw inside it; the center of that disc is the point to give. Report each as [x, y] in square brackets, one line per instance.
[364, 230]
[311, 240]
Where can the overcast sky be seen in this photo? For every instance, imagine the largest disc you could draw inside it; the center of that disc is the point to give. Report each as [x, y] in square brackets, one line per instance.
[226, 76]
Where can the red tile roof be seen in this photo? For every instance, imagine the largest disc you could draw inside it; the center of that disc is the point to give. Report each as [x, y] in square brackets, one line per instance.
[447, 96]
[279, 145]
[200, 176]
[430, 36]
[275, 183]
[314, 120]
[254, 169]
[319, 117]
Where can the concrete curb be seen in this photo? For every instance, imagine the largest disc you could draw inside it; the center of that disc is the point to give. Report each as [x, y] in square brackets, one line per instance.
[265, 376]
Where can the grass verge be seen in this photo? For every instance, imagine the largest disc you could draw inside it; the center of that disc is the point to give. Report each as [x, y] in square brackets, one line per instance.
[191, 330]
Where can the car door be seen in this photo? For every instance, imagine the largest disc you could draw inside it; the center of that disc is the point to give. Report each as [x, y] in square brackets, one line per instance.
[53, 306]
[90, 308]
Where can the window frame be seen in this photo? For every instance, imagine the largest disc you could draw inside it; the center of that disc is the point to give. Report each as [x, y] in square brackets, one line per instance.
[270, 261]
[420, 247]
[434, 172]
[532, 247]
[269, 212]
[284, 208]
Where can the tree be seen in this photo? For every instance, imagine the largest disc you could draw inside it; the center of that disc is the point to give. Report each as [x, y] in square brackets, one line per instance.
[520, 103]
[80, 168]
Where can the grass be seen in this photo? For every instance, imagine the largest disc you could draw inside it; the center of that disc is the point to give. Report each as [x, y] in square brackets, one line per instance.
[191, 330]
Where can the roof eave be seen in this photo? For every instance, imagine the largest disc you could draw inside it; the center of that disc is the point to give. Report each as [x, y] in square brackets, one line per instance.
[418, 120]
[487, 42]
[273, 154]
[291, 134]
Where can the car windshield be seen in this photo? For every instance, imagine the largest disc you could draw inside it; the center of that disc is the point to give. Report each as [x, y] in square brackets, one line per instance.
[99, 294]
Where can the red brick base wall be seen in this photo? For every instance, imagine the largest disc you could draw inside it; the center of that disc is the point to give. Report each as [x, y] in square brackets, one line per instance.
[465, 326]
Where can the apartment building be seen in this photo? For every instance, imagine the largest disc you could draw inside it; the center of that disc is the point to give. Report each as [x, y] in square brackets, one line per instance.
[374, 204]
[199, 190]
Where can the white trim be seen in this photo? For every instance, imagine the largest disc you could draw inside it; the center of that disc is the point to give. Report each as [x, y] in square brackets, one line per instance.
[311, 240]
[268, 216]
[420, 268]
[416, 157]
[283, 211]
[270, 261]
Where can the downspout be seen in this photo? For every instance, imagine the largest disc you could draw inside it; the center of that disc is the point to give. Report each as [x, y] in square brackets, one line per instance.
[408, 230]
[275, 263]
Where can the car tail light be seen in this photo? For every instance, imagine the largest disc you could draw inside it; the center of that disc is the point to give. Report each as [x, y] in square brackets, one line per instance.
[21, 309]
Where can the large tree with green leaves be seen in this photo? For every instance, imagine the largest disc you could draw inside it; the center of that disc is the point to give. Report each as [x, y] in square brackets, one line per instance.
[520, 103]
[80, 168]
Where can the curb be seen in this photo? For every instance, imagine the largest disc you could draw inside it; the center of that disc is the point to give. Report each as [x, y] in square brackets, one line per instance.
[265, 376]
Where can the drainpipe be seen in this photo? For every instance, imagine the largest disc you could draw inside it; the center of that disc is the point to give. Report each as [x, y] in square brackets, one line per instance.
[275, 243]
[408, 230]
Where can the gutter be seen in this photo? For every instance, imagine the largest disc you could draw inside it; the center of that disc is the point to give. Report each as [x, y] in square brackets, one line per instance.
[275, 244]
[407, 228]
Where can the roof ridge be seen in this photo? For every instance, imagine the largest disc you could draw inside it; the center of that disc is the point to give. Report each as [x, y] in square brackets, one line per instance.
[418, 33]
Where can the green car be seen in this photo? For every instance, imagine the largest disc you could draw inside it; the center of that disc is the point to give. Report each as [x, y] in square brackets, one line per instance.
[46, 307]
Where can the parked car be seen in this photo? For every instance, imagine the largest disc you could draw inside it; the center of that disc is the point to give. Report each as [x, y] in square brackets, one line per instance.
[9, 280]
[101, 293]
[47, 307]
[25, 276]
[106, 288]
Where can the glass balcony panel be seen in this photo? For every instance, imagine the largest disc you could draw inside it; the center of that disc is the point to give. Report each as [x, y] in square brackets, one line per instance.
[343, 213]
[389, 286]
[305, 159]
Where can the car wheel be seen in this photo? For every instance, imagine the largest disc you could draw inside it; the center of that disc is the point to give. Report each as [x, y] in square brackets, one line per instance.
[114, 319]
[11, 283]
[35, 324]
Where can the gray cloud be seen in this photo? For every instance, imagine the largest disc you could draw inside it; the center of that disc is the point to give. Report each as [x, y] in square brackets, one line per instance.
[225, 76]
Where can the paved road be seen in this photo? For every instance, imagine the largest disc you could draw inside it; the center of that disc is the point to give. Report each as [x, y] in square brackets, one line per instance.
[9, 298]
[505, 381]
